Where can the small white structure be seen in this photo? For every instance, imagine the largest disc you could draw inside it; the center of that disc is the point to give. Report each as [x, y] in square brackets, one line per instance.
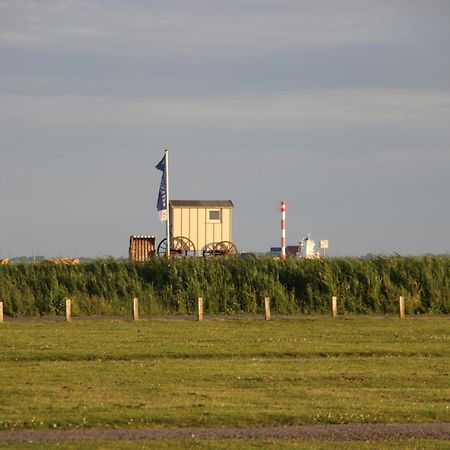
[307, 248]
[323, 244]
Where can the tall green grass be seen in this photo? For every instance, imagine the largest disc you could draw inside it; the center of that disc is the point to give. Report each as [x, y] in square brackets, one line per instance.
[229, 285]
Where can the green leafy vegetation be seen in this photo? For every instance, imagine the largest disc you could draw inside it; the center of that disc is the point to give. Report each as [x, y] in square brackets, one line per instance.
[229, 285]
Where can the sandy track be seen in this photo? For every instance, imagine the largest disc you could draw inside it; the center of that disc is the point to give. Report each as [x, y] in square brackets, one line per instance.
[346, 432]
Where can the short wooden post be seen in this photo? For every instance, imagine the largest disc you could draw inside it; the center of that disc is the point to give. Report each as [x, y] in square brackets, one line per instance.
[267, 308]
[334, 306]
[68, 310]
[135, 309]
[1, 312]
[200, 309]
[401, 304]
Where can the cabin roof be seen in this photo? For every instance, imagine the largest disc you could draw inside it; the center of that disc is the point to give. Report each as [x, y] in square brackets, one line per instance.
[201, 203]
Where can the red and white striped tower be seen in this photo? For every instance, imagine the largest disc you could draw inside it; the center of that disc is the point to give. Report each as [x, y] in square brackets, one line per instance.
[283, 207]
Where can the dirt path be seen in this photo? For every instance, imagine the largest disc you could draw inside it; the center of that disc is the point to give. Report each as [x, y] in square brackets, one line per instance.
[347, 432]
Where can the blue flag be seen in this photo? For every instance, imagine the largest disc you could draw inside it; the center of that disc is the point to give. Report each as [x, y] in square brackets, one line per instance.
[161, 205]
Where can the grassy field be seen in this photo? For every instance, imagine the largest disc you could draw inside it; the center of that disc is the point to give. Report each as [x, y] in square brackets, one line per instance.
[166, 373]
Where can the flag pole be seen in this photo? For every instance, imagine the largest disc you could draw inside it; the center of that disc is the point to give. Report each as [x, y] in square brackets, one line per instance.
[166, 154]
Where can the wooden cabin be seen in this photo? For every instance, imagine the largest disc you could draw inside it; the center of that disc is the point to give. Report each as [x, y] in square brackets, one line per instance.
[202, 221]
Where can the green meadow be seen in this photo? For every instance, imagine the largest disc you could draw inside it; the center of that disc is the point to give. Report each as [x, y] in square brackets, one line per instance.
[174, 373]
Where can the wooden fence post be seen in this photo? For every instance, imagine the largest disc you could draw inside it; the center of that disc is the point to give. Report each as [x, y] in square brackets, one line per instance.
[267, 308]
[334, 306]
[1, 312]
[135, 309]
[68, 310]
[200, 309]
[401, 304]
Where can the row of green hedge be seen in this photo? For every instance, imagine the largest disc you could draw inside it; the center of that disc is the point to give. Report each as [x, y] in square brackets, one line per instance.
[229, 285]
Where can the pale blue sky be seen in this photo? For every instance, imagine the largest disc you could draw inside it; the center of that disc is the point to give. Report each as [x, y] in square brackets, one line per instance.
[340, 108]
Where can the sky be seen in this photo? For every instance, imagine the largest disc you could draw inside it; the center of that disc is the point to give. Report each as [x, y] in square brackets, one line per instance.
[342, 109]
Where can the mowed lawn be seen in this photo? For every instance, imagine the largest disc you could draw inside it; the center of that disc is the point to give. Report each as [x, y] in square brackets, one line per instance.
[175, 373]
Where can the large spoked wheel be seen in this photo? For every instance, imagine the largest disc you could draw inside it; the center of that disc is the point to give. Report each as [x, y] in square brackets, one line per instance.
[180, 246]
[225, 248]
[208, 249]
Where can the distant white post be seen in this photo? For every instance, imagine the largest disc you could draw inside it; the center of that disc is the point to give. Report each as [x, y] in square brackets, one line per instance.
[135, 309]
[200, 309]
[283, 207]
[68, 310]
[168, 205]
[323, 244]
[334, 306]
[267, 308]
[401, 304]
[1, 312]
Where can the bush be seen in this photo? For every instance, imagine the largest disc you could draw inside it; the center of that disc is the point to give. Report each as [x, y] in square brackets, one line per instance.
[229, 285]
